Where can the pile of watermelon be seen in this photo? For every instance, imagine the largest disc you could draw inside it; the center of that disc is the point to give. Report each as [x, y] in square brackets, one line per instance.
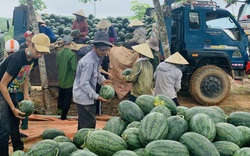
[154, 126]
[61, 25]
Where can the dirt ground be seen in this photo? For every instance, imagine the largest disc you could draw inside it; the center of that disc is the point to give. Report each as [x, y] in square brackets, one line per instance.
[238, 100]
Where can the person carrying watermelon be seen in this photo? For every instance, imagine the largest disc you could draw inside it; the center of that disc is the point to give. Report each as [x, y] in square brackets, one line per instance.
[141, 75]
[14, 72]
[80, 24]
[43, 28]
[168, 76]
[87, 76]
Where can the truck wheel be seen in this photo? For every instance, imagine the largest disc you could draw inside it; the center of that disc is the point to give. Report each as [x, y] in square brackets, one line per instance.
[209, 85]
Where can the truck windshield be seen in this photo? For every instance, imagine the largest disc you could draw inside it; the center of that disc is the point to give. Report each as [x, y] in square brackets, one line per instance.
[244, 11]
[225, 22]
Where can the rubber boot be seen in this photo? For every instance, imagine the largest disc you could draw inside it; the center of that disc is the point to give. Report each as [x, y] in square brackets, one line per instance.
[24, 124]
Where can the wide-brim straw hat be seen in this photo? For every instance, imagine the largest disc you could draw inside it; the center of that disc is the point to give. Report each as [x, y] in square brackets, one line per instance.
[39, 19]
[176, 58]
[154, 44]
[135, 22]
[80, 13]
[143, 49]
[103, 24]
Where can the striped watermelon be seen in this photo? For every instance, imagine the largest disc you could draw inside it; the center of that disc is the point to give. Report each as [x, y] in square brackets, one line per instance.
[107, 92]
[145, 102]
[134, 124]
[154, 126]
[162, 109]
[166, 148]
[177, 127]
[80, 136]
[67, 148]
[131, 136]
[243, 152]
[246, 135]
[140, 151]
[204, 125]
[226, 148]
[129, 111]
[105, 143]
[83, 152]
[198, 145]
[125, 153]
[239, 118]
[161, 99]
[115, 125]
[228, 132]
[181, 110]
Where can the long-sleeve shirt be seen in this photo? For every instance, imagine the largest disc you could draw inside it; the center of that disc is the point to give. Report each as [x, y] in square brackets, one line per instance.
[167, 80]
[140, 35]
[47, 30]
[87, 76]
[141, 77]
[66, 62]
[82, 26]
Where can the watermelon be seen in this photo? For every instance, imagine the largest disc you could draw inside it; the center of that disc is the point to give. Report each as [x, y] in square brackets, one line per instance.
[67, 148]
[243, 152]
[80, 136]
[27, 107]
[61, 138]
[105, 143]
[239, 118]
[107, 92]
[246, 138]
[198, 145]
[166, 147]
[145, 102]
[161, 99]
[162, 109]
[125, 153]
[75, 32]
[226, 148]
[82, 152]
[181, 110]
[211, 112]
[45, 147]
[154, 126]
[127, 71]
[140, 151]
[51, 133]
[18, 153]
[204, 125]
[129, 111]
[177, 127]
[228, 132]
[134, 124]
[131, 136]
[115, 125]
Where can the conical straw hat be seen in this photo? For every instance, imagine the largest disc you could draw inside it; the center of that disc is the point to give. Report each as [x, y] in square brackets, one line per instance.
[103, 24]
[80, 13]
[176, 58]
[143, 49]
[39, 19]
[135, 22]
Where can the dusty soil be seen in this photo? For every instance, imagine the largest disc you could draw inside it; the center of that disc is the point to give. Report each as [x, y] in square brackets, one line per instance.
[238, 100]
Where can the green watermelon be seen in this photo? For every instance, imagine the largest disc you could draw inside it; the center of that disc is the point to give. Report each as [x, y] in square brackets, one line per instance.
[18, 153]
[145, 102]
[51, 133]
[198, 145]
[163, 100]
[26, 106]
[154, 126]
[181, 110]
[45, 147]
[162, 109]
[83, 153]
[61, 138]
[80, 136]
[129, 111]
[226, 148]
[166, 148]
[134, 124]
[177, 127]
[246, 135]
[131, 137]
[107, 92]
[127, 71]
[204, 125]
[115, 125]
[66, 148]
[125, 153]
[239, 118]
[105, 143]
[243, 152]
[140, 151]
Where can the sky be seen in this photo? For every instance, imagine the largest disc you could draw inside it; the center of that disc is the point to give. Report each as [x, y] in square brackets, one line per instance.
[104, 8]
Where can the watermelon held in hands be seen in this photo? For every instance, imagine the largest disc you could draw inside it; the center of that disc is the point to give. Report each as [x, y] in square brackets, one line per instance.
[27, 106]
[127, 72]
[107, 92]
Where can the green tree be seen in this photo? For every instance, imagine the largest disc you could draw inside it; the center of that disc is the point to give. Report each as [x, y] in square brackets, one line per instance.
[92, 2]
[39, 5]
[139, 8]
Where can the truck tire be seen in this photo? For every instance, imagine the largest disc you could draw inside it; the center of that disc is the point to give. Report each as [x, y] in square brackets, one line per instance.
[209, 85]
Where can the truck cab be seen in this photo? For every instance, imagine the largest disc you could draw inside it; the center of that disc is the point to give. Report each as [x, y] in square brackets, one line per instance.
[215, 46]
